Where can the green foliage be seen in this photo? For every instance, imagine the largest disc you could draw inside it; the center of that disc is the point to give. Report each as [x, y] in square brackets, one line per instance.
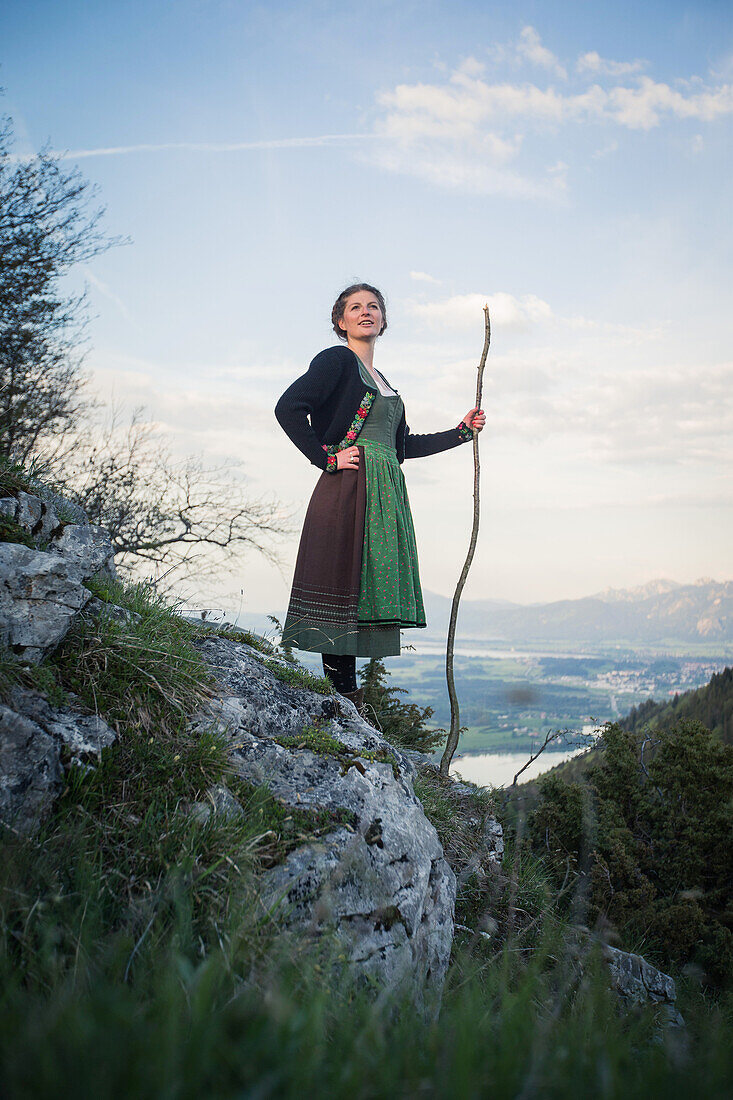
[281, 827]
[15, 478]
[318, 740]
[647, 837]
[10, 531]
[141, 670]
[180, 1027]
[712, 705]
[404, 724]
[43, 678]
[297, 676]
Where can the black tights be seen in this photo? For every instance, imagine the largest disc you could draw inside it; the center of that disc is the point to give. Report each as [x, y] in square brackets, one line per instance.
[341, 671]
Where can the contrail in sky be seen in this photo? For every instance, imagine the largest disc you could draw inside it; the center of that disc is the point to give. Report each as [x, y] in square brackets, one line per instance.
[207, 147]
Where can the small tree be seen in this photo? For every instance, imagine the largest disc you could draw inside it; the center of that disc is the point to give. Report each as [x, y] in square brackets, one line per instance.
[173, 517]
[403, 723]
[46, 227]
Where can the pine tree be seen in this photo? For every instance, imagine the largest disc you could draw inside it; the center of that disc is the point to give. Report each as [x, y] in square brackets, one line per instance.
[405, 724]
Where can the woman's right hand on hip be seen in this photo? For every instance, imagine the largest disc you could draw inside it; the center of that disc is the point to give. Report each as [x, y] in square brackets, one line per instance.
[348, 459]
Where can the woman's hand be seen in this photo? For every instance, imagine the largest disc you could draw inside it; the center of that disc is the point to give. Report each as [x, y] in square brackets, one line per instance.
[475, 419]
[348, 459]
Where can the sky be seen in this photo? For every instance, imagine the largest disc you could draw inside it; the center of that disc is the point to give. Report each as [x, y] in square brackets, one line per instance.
[567, 162]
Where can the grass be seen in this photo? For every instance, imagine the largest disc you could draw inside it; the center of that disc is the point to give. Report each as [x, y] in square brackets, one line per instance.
[135, 959]
[43, 678]
[297, 676]
[319, 741]
[15, 479]
[10, 531]
[187, 1028]
[281, 827]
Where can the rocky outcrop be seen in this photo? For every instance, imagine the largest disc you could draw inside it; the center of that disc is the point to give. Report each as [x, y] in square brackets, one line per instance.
[42, 586]
[382, 887]
[638, 983]
[37, 743]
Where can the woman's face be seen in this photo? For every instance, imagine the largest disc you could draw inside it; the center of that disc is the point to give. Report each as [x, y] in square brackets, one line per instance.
[362, 316]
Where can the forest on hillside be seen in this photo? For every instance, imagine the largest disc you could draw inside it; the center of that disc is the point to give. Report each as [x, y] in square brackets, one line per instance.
[712, 705]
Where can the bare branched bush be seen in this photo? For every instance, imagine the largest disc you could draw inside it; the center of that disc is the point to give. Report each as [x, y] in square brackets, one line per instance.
[168, 517]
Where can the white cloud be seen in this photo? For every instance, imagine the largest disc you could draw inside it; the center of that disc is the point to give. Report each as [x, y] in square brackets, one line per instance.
[530, 47]
[468, 133]
[593, 63]
[465, 104]
[464, 310]
[669, 414]
[423, 277]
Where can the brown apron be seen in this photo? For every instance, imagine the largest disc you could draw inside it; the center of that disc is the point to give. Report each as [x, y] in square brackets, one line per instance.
[325, 596]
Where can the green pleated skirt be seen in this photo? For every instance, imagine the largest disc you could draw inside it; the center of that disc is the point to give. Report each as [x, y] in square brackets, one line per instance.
[390, 594]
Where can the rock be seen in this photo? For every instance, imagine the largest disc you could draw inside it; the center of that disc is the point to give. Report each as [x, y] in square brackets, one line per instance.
[29, 512]
[100, 609]
[384, 889]
[9, 507]
[35, 739]
[83, 735]
[638, 982]
[31, 776]
[42, 590]
[67, 510]
[40, 593]
[493, 840]
[220, 802]
[88, 546]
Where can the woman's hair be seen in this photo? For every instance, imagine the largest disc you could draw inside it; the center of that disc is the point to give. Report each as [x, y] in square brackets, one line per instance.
[339, 306]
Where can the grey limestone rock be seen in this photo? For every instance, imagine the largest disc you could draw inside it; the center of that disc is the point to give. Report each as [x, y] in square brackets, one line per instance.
[383, 888]
[638, 982]
[30, 771]
[40, 593]
[35, 739]
[42, 590]
[88, 546]
[34, 515]
[219, 801]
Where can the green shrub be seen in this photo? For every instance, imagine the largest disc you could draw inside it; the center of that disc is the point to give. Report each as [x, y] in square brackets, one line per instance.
[404, 724]
[648, 836]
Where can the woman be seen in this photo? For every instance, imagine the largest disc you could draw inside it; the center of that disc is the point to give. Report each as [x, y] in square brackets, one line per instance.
[356, 582]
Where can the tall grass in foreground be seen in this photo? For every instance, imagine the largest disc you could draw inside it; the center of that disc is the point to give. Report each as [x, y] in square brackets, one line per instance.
[292, 1026]
[135, 960]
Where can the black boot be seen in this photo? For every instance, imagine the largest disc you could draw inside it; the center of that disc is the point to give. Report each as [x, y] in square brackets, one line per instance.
[357, 698]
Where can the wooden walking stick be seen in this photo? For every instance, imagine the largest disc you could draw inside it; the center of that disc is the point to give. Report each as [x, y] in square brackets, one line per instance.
[455, 724]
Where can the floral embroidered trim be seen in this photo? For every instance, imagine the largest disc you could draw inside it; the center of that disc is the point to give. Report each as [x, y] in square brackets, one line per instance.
[464, 432]
[353, 433]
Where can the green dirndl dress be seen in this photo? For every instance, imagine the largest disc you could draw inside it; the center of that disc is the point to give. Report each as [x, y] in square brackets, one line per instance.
[390, 597]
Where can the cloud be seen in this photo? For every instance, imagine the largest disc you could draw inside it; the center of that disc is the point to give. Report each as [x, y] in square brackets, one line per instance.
[468, 133]
[463, 310]
[530, 47]
[423, 277]
[593, 63]
[667, 414]
[465, 104]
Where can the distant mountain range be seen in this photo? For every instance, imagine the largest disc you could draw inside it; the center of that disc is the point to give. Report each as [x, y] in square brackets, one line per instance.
[658, 612]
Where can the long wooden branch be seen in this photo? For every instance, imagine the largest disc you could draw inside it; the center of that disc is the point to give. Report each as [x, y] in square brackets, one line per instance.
[455, 723]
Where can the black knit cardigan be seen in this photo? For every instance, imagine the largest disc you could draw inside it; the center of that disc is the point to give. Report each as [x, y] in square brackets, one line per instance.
[331, 393]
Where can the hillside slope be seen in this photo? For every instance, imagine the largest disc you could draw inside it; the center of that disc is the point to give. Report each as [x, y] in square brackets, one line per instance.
[712, 705]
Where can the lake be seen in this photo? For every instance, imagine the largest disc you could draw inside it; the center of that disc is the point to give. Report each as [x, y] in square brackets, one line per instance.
[497, 769]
